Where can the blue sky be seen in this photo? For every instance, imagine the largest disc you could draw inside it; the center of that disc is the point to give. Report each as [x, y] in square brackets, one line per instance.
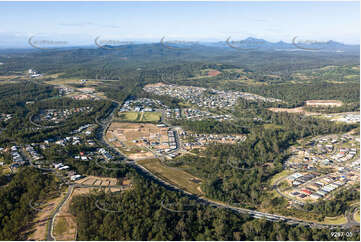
[81, 22]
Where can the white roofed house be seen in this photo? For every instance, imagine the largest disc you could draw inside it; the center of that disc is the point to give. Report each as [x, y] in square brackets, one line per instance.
[75, 177]
[56, 166]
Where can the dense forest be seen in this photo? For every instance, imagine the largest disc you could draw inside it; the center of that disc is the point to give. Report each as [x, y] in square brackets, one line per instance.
[238, 173]
[15, 197]
[243, 181]
[127, 70]
[139, 214]
[111, 64]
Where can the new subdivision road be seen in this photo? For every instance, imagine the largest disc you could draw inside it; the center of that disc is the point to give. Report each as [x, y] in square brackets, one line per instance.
[145, 172]
[253, 213]
[50, 235]
[72, 186]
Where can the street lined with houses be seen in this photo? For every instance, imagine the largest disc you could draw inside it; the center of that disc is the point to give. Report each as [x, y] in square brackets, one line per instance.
[175, 141]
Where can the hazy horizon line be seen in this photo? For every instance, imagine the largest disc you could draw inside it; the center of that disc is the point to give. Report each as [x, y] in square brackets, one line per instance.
[25, 44]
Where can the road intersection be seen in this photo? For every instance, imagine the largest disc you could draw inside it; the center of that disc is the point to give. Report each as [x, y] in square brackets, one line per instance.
[104, 125]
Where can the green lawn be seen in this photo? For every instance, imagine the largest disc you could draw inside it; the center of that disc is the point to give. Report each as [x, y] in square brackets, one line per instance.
[173, 175]
[151, 117]
[140, 116]
[357, 216]
[61, 226]
[130, 116]
[5, 170]
[283, 173]
[335, 220]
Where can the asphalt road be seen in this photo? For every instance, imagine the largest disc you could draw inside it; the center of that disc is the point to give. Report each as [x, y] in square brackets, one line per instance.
[50, 235]
[71, 187]
[252, 213]
[143, 171]
[350, 216]
[276, 188]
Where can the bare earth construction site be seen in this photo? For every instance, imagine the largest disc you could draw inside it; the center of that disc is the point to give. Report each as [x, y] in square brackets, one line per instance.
[135, 139]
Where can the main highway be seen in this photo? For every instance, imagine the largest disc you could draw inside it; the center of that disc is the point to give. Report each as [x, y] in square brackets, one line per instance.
[104, 125]
[253, 213]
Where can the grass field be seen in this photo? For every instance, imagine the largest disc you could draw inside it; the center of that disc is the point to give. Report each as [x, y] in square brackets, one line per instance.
[130, 116]
[335, 220]
[151, 117]
[357, 216]
[280, 175]
[5, 170]
[179, 177]
[38, 231]
[61, 226]
[352, 77]
[140, 116]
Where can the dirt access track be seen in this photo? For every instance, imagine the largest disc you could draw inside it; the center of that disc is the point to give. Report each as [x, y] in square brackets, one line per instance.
[39, 225]
[65, 223]
[65, 228]
[97, 181]
[159, 84]
[298, 110]
[335, 103]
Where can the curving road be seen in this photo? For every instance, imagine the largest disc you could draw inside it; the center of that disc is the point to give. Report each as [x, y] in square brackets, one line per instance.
[50, 235]
[349, 214]
[72, 186]
[255, 214]
[276, 188]
[103, 126]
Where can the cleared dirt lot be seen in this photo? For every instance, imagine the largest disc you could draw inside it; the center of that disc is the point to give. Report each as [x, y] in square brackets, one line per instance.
[39, 225]
[298, 110]
[103, 181]
[335, 103]
[65, 223]
[133, 138]
[213, 73]
[155, 85]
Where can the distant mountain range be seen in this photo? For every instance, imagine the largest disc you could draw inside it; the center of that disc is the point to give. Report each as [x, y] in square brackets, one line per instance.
[253, 44]
[250, 43]
[296, 44]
